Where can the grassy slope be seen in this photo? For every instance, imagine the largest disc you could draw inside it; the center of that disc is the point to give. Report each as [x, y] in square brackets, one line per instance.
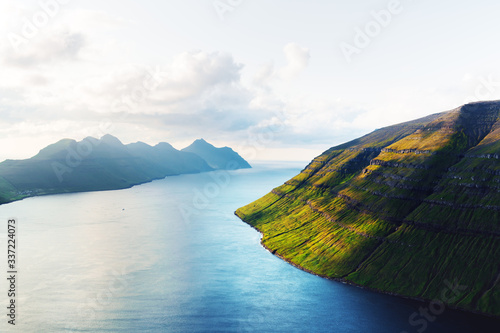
[400, 210]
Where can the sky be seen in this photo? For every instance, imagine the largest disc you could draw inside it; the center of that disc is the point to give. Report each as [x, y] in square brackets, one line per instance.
[274, 80]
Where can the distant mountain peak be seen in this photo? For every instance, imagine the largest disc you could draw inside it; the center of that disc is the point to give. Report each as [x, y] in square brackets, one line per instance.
[217, 158]
[202, 142]
[54, 148]
[165, 145]
[111, 140]
[140, 143]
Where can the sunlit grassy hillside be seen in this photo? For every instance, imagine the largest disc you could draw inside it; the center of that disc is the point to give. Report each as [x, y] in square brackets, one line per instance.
[405, 209]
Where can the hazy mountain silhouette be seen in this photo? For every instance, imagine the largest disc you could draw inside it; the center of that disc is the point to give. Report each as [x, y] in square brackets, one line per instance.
[94, 164]
[218, 158]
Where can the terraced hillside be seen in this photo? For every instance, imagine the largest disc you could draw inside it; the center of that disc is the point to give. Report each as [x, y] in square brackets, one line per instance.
[410, 209]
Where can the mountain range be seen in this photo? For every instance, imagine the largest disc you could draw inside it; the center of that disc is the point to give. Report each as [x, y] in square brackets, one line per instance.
[106, 164]
[411, 209]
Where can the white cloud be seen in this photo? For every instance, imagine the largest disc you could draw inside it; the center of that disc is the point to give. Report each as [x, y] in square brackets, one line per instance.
[62, 86]
[51, 47]
[190, 82]
[194, 94]
[263, 73]
[94, 20]
[297, 58]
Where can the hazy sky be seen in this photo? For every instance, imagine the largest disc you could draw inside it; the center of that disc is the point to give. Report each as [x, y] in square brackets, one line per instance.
[274, 79]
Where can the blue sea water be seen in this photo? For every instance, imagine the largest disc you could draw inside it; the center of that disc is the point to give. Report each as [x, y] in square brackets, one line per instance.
[171, 256]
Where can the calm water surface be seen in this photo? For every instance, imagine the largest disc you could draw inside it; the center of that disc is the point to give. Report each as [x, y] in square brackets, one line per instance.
[170, 256]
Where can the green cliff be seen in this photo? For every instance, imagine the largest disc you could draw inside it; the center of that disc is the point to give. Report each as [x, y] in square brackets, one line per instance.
[407, 209]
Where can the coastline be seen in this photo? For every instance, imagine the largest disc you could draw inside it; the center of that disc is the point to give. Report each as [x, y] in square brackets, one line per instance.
[344, 281]
[107, 189]
[84, 191]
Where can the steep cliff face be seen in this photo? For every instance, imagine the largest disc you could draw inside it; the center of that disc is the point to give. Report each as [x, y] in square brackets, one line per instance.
[407, 209]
